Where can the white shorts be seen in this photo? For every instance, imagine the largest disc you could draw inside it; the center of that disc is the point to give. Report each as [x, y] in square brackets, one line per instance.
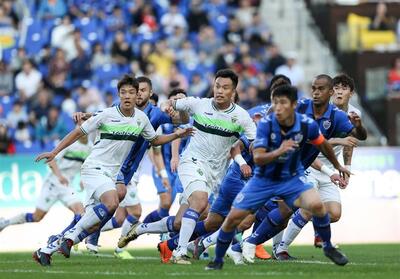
[53, 191]
[96, 182]
[196, 176]
[131, 197]
[327, 190]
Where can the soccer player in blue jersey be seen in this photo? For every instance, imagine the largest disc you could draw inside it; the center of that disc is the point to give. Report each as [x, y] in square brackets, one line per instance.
[281, 137]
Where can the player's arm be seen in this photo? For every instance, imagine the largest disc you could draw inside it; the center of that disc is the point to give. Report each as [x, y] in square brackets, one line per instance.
[175, 145]
[180, 117]
[64, 143]
[347, 141]
[358, 131]
[335, 178]
[236, 155]
[158, 162]
[182, 105]
[179, 133]
[56, 171]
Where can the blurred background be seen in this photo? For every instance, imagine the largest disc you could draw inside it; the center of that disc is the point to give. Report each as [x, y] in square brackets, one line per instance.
[62, 56]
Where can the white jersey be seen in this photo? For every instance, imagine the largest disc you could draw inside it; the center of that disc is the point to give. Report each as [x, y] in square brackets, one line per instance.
[338, 148]
[116, 134]
[70, 160]
[217, 130]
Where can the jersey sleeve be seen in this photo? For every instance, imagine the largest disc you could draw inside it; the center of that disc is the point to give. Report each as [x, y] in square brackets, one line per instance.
[93, 123]
[343, 124]
[249, 127]
[246, 142]
[314, 134]
[148, 132]
[164, 118]
[263, 132]
[187, 104]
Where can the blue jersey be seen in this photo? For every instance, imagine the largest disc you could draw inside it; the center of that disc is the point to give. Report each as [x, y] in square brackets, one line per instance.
[270, 137]
[135, 156]
[333, 124]
[166, 149]
[260, 109]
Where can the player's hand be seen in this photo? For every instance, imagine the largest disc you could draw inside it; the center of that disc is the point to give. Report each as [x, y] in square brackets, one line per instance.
[186, 132]
[355, 119]
[344, 172]
[63, 180]
[166, 185]
[349, 141]
[339, 181]
[174, 163]
[49, 156]
[79, 117]
[288, 145]
[246, 170]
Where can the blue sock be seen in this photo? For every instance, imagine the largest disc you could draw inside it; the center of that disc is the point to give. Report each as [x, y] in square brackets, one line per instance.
[102, 212]
[236, 247]
[199, 230]
[94, 237]
[238, 237]
[268, 228]
[29, 217]
[172, 243]
[83, 235]
[77, 217]
[223, 242]
[322, 225]
[299, 220]
[152, 217]
[170, 223]
[163, 212]
[260, 216]
[115, 223]
[132, 219]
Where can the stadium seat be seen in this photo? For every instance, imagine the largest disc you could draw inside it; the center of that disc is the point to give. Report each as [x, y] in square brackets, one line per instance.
[34, 37]
[29, 147]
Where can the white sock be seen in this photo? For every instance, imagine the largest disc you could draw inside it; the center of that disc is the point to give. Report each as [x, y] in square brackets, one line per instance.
[211, 239]
[108, 226]
[126, 225]
[291, 232]
[155, 227]
[51, 247]
[187, 228]
[88, 220]
[18, 219]
[276, 240]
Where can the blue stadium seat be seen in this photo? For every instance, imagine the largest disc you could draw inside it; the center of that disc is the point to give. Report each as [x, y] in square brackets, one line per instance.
[106, 73]
[34, 38]
[34, 147]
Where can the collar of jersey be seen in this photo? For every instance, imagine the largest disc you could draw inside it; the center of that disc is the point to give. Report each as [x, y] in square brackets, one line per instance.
[295, 129]
[230, 109]
[120, 112]
[326, 115]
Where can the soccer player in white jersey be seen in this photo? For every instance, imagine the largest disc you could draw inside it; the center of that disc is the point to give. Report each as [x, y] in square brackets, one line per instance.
[343, 87]
[117, 130]
[203, 164]
[57, 185]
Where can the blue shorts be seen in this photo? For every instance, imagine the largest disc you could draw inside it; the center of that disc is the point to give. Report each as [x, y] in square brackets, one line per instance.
[174, 181]
[228, 190]
[260, 189]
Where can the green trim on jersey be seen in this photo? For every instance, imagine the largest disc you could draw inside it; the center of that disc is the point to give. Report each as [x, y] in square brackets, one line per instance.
[220, 124]
[120, 112]
[130, 137]
[124, 128]
[215, 131]
[76, 155]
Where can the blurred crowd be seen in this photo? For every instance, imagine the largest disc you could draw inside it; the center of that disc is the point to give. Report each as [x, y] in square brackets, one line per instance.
[69, 54]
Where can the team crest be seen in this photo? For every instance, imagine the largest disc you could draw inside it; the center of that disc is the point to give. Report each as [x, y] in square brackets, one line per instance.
[234, 119]
[200, 171]
[239, 198]
[298, 137]
[273, 136]
[326, 124]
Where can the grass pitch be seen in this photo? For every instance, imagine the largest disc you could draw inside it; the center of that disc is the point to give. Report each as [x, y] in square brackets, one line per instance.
[366, 261]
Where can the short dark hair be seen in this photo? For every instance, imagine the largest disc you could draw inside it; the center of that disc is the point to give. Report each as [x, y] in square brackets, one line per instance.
[128, 80]
[154, 97]
[228, 73]
[176, 91]
[146, 80]
[327, 78]
[279, 80]
[287, 91]
[344, 80]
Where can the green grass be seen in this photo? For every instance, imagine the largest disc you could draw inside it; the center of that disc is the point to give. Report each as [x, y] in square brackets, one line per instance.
[366, 261]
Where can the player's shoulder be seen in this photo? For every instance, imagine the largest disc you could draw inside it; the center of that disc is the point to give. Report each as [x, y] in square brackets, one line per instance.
[236, 109]
[303, 118]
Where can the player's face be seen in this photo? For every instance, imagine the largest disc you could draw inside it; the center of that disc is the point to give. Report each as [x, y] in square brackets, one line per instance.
[321, 92]
[341, 94]
[127, 95]
[144, 94]
[223, 91]
[283, 108]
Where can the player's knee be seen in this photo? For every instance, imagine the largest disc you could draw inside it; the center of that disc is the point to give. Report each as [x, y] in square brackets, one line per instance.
[177, 224]
[111, 204]
[335, 216]
[37, 217]
[317, 207]
[121, 191]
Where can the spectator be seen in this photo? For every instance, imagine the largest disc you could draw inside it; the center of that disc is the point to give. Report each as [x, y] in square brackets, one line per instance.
[89, 98]
[99, 57]
[381, 20]
[22, 133]
[258, 28]
[146, 49]
[175, 76]
[173, 19]
[121, 51]
[175, 40]
[80, 68]
[275, 59]
[62, 31]
[58, 64]
[72, 42]
[245, 13]
[40, 105]
[17, 60]
[51, 127]
[198, 86]
[162, 58]
[6, 144]
[6, 80]
[17, 114]
[209, 42]
[394, 77]
[187, 56]
[196, 17]
[50, 9]
[292, 70]
[235, 33]
[5, 19]
[115, 21]
[28, 81]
